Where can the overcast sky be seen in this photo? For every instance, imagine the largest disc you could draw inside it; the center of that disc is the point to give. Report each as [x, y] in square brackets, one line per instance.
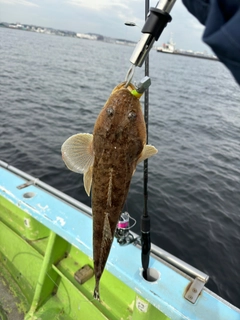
[105, 17]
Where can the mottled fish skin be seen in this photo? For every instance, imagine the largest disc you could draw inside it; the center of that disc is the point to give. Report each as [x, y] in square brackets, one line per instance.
[108, 159]
[118, 140]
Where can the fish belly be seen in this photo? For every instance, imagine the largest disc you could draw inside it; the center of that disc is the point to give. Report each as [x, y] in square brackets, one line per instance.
[109, 191]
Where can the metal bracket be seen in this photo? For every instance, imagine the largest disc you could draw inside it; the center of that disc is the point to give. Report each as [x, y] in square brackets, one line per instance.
[194, 290]
[143, 85]
[26, 184]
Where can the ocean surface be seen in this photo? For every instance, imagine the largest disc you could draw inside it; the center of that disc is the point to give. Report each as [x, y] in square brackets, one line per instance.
[53, 87]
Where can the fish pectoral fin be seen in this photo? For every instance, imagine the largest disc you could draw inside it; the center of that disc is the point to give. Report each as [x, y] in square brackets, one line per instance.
[77, 152]
[148, 151]
[87, 180]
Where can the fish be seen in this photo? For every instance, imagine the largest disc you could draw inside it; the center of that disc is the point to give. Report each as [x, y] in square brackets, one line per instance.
[108, 159]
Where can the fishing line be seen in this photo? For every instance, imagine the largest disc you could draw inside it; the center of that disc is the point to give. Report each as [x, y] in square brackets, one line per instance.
[126, 205]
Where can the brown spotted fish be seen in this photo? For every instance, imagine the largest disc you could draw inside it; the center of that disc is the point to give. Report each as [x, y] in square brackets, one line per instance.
[108, 159]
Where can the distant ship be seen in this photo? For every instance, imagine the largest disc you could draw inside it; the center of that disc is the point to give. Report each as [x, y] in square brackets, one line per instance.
[169, 47]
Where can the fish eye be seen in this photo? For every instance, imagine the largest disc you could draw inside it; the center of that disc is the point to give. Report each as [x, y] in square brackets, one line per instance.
[110, 112]
[132, 115]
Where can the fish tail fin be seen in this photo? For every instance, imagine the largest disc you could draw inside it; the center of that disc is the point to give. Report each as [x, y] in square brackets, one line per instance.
[96, 294]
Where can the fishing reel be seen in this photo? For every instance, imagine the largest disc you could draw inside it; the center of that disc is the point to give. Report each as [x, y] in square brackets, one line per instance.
[122, 233]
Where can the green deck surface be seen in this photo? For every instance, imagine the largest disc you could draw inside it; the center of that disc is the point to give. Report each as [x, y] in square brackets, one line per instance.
[37, 277]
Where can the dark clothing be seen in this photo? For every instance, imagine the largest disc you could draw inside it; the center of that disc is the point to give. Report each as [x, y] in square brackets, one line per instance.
[222, 33]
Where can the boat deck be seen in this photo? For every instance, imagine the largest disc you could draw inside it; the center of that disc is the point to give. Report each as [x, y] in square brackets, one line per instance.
[9, 302]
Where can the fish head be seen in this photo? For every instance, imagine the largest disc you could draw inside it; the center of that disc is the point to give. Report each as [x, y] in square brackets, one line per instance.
[121, 119]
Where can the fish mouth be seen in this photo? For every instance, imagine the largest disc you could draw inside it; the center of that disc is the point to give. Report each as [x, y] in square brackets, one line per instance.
[121, 86]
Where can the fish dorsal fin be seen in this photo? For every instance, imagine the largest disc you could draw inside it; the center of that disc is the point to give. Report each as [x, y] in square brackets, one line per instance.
[148, 151]
[77, 152]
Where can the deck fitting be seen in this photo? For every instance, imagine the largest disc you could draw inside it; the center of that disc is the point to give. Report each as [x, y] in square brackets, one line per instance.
[83, 274]
[194, 290]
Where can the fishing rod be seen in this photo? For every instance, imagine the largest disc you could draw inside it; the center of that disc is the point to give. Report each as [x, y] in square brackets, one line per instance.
[156, 20]
[145, 218]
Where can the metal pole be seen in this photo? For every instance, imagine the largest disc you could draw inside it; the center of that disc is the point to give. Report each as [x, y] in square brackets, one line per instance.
[145, 239]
